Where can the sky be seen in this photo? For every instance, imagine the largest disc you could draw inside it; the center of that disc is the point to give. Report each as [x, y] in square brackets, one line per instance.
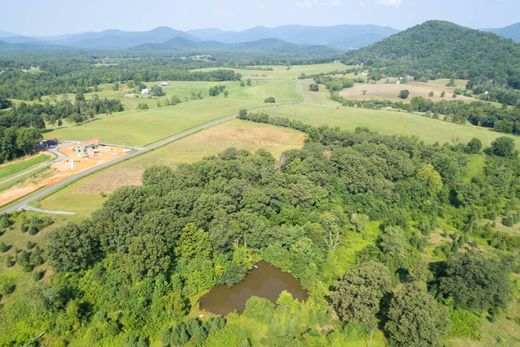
[55, 17]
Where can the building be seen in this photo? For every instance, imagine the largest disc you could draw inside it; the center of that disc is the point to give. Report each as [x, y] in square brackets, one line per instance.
[163, 84]
[47, 144]
[145, 91]
[86, 147]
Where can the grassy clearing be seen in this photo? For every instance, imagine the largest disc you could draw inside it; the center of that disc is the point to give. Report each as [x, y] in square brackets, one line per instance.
[390, 91]
[388, 122]
[137, 128]
[19, 166]
[292, 72]
[86, 195]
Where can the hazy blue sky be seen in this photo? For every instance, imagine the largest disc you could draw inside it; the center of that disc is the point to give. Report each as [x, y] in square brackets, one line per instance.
[49, 17]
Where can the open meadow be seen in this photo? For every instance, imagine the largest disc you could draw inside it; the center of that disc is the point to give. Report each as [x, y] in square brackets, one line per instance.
[141, 127]
[390, 91]
[389, 123]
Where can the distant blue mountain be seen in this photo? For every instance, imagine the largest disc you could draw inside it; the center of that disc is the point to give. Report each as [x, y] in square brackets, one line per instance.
[271, 45]
[510, 32]
[342, 37]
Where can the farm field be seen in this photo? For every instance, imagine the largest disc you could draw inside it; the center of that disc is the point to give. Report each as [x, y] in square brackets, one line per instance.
[390, 91]
[138, 128]
[86, 195]
[284, 72]
[21, 165]
[388, 122]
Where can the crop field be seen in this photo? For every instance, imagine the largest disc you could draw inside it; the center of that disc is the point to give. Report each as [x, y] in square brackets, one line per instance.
[138, 128]
[388, 122]
[86, 195]
[391, 91]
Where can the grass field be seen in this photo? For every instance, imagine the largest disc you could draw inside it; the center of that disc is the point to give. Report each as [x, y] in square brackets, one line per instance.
[390, 91]
[85, 196]
[21, 165]
[388, 122]
[138, 128]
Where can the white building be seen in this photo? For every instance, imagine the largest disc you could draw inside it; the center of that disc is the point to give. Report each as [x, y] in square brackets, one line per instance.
[145, 91]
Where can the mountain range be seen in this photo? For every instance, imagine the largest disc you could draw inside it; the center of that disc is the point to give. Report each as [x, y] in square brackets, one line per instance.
[287, 38]
[340, 38]
[510, 32]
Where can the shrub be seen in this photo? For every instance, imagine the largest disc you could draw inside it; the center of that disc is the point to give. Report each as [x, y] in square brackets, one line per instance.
[270, 100]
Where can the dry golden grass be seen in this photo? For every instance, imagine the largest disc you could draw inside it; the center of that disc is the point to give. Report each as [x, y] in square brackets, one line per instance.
[391, 91]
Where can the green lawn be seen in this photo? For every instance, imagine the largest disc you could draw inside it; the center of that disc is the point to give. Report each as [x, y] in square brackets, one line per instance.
[19, 166]
[138, 128]
[388, 122]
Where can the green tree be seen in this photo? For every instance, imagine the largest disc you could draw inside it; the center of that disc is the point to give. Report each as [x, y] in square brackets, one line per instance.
[502, 147]
[72, 247]
[358, 293]
[149, 255]
[474, 146]
[415, 318]
[475, 282]
[27, 139]
[403, 94]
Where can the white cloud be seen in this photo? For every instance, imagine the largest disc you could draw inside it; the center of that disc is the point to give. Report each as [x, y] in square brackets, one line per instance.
[318, 3]
[391, 3]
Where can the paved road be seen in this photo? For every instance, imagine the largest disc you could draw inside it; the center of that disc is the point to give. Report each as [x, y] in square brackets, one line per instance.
[23, 204]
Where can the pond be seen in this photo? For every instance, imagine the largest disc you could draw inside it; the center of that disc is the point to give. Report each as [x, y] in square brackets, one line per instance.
[265, 281]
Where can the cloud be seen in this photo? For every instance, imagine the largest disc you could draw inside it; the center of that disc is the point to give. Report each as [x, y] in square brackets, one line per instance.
[390, 3]
[318, 3]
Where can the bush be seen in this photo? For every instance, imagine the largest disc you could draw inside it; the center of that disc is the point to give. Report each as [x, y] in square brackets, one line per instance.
[7, 287]
[38, 275]
[403, 94]
[314, 87]
[4, 247]
[270, 100]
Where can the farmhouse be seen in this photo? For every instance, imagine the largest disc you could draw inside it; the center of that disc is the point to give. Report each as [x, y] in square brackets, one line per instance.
[145, 91]
[87, 147]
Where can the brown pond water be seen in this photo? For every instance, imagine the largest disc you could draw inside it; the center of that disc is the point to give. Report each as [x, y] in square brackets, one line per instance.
[265, 281]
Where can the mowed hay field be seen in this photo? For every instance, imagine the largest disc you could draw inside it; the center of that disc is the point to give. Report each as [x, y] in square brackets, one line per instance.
[390, 91]
[137, 128]
[388, 122]
[284, 72]
[86, 195]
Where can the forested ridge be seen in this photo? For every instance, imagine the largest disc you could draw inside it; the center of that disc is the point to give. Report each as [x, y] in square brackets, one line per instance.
[442, 49]
[129, 274]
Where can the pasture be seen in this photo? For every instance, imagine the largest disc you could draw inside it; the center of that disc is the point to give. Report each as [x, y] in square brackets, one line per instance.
[390, 91]
[138, 128]
[86, 195]
[389, 123]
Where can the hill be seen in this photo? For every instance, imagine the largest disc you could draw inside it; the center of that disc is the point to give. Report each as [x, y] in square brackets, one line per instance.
[117, 39]
[443, 49]
[272, 46]
[511, 31]
[341, 37]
